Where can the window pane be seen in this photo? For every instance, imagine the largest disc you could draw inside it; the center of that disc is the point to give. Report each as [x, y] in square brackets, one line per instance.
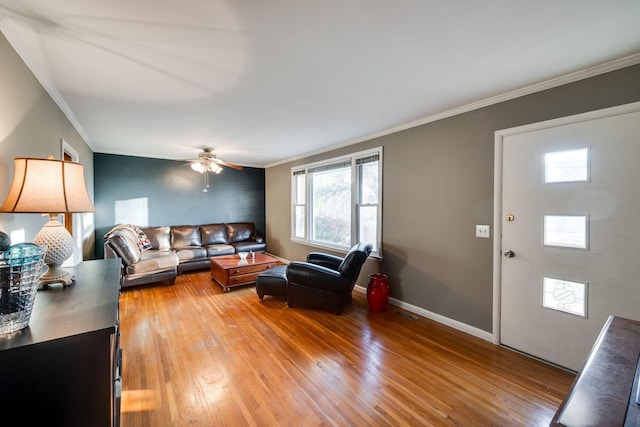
[331, 198]
[566, 166]
[300, 189]
[566, 231]
[299, 224]
[369, 225]
[563, 295]
[369, 183]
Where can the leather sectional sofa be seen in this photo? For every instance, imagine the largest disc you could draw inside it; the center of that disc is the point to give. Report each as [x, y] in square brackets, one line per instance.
[155, 254]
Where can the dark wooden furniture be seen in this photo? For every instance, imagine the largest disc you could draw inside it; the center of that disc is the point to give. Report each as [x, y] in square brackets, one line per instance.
[605, 391]
[230, 271]
[64, 368]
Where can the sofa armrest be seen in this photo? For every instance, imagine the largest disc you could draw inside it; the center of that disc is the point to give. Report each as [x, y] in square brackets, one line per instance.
[316, 276]
[124, 246]
[325, 260]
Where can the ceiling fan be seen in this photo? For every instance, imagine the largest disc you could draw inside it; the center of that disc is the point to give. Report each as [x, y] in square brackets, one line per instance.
[207, 163]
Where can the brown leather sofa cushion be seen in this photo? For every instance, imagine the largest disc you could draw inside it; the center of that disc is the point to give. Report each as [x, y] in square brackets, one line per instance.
[191, 253]
[240, 231]
[184, 236]
[217, 250]
[160, 237]
[214, 234]
[153, 261]
[125, 244]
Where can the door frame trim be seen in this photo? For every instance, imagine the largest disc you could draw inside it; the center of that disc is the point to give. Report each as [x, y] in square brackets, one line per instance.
[500, 135]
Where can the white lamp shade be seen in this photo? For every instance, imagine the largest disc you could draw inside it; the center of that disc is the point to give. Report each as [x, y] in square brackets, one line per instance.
[47, 186]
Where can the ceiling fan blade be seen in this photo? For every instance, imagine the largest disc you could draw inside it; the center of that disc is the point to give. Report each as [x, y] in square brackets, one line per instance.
[231, 165]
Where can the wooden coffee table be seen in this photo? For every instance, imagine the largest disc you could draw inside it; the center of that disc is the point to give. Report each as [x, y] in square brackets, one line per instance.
[230, 271]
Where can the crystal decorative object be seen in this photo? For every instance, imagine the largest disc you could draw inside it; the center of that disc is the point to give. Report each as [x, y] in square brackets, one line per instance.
[20, 268]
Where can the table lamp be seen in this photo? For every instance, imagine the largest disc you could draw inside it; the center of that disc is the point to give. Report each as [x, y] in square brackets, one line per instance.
[53, 187]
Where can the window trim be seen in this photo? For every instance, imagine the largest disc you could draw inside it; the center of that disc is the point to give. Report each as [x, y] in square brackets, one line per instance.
[352, 160]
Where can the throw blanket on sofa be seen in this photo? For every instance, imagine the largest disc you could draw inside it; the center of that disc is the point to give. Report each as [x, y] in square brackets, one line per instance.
[143, 241]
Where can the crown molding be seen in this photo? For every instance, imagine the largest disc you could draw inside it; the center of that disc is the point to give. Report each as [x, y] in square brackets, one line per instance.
[527, 90]
[20, 48]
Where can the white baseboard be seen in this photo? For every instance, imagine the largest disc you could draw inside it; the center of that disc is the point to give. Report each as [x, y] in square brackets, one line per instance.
[471, 330]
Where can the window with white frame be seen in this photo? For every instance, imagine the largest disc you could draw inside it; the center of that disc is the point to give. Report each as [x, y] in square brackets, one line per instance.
[337, 202]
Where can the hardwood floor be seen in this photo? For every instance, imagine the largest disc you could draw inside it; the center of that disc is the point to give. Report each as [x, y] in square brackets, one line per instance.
[195, 355]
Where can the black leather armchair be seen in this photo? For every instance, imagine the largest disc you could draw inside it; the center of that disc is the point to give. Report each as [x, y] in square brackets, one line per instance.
[325, 280]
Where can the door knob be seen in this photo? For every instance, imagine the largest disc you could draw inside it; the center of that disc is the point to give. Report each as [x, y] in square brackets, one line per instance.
[509, 254]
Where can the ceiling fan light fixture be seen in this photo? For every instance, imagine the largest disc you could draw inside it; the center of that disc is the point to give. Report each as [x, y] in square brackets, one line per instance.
[198, 167]
[207, 163]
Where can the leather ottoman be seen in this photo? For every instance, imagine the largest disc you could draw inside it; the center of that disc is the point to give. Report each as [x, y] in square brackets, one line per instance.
[272, 282]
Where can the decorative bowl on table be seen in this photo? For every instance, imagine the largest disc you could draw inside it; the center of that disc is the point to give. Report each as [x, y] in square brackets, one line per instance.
[243, 255]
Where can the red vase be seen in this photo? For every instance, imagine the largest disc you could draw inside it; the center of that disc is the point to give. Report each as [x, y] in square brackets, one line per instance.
[378, 291]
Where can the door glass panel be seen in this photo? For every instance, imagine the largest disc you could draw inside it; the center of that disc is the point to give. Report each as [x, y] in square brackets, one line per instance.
[567, 231]
[566, 296]
[566, 166]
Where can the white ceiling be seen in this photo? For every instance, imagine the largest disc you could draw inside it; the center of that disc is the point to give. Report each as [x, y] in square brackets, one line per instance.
[266, 81]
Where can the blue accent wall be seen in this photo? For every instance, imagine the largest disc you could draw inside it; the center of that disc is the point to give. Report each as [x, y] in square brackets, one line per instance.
[173, 193]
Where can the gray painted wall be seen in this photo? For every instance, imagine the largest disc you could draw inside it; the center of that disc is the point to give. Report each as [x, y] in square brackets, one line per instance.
[32, 125]
[438, 184]
[174, 193]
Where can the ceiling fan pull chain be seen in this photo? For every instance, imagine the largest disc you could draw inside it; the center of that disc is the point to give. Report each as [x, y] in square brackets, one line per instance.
[206, 182]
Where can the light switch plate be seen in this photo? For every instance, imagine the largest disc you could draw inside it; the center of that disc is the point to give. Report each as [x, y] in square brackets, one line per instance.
[483, 231]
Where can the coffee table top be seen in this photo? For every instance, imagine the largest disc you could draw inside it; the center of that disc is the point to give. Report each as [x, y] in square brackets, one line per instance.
[234, 261]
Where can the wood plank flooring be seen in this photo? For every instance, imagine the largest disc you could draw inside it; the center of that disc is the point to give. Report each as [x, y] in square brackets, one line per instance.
[197, 356]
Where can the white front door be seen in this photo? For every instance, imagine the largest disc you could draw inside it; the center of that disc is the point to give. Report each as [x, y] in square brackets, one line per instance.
[569, 216]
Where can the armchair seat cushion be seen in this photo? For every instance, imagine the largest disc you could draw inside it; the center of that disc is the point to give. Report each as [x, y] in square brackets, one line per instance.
[317, 276]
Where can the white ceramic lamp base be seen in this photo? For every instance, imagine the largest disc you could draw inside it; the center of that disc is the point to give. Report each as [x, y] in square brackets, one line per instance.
[59, 248]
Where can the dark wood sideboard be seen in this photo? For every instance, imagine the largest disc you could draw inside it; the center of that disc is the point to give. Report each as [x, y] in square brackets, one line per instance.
[64, 368]
[605, 392]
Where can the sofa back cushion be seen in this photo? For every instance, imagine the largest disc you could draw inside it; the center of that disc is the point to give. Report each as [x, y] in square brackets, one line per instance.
[160, 237]
[214, 234]
[240, 231]
[125, 244]
[183, 236]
